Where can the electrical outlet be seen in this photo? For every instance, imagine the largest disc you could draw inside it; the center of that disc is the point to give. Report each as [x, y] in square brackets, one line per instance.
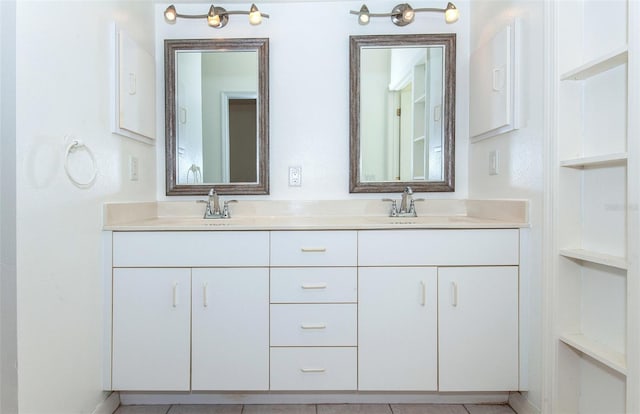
[133, 168]
[493, 163]
[295, 176]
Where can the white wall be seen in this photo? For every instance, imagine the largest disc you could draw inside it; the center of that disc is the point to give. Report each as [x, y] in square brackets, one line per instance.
[62, 83]
[521, 160]
[8, 311]
[309, 86]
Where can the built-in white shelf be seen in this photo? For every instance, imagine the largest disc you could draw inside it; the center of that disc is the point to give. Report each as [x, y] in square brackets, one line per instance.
[597, 66]
[420, 99]
[596, 161]
[595, 257]
[419, 139]
[601, 353]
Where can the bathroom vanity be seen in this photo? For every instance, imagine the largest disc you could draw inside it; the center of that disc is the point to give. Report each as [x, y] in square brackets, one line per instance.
[355, 301]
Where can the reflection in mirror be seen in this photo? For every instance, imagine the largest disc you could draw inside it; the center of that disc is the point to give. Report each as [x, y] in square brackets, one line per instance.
[402, 112]
[216, 116]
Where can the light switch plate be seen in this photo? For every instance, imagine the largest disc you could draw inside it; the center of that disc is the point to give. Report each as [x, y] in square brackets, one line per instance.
[493, 163]
[133, 168]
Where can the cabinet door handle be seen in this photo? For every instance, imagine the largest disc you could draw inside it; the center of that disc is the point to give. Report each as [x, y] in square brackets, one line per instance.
[313, 249]
[205, 301]
[423, 298]
[175, 294]
[454, 294]
[313, 326]
[307, 370]
[314, 286]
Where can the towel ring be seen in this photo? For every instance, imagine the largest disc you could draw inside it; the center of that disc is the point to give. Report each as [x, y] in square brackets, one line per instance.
[75, 145]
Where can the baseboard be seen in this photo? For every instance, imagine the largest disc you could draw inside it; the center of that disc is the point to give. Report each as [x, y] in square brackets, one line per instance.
[108, 406]
[521, 405]
[135, 398]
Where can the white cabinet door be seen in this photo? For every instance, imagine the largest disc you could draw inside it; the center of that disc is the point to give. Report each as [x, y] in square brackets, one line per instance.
[230, 342]
[151, 329]
[478, 324]
[397, 329]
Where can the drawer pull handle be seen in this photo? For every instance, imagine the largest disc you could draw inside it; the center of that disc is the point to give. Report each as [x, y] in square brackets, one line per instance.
[314, 286]
[454, 294]
[175, 295]
[313, 249]
[205, 301]
[313, 326]
[423, 299]
[307, 370]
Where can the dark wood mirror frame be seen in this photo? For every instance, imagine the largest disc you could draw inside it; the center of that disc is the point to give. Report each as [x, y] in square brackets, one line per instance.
[356, 43]
[261, 46]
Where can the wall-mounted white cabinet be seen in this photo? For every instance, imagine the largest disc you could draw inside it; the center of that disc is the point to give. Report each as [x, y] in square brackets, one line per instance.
[593, 336]
[494, 93]
[133, 84]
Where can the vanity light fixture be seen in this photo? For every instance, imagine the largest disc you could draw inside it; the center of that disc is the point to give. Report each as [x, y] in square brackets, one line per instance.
[403, 14]
[218, 17]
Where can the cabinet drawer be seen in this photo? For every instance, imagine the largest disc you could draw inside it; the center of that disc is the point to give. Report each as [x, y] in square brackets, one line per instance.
[438, 247]
[314, 325]
[314, 248]
[314, 369]
[314, 285]
[190, 248]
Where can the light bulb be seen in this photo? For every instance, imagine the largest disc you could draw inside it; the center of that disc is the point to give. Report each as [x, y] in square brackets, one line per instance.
[213, 19]
[451, 14]
[363, 16]
[170, 14]
[408, 14]
[255, 18]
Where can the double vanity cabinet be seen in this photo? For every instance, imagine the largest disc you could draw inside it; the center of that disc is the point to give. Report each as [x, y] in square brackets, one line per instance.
[411, 309]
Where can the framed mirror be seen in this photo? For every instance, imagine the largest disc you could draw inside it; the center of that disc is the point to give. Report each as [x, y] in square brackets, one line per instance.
[216, 116]
[402, 112]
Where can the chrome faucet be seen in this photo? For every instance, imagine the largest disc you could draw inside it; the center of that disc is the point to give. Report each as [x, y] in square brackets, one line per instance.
[407, 200]
[407, 205]
[212, 210]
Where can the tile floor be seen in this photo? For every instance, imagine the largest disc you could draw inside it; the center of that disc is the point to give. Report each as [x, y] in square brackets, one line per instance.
[318, 409]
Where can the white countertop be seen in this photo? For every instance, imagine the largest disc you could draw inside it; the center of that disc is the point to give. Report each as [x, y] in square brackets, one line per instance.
[316, 215]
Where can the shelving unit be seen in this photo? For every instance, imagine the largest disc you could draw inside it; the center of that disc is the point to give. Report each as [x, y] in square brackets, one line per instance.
[593, 188]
